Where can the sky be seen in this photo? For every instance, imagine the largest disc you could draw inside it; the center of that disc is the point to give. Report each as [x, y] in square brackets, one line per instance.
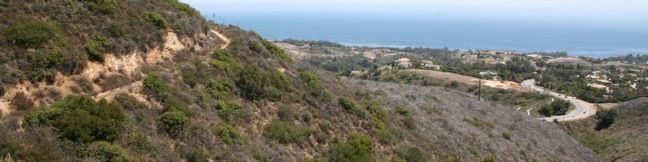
[558, 11]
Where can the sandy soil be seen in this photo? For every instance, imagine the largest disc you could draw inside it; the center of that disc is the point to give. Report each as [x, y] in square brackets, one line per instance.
[508, 85]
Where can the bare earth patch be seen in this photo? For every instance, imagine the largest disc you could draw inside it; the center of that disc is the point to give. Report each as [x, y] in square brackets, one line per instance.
[507, 85]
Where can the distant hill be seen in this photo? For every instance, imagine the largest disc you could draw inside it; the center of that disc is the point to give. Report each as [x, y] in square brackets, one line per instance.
[151, 80]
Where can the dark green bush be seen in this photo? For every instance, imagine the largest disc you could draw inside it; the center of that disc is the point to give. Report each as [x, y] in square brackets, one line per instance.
[233, 111]
[105, 151]
[29, 32]
[411, 154]
[129, 102]
[95, 47]
[229, 134]
[197, 155]
[377, 110]
[251, 83]
[154, 86]
[351, 105]
[81, 119]
[315, 86]
[358, 148]
[605, 119]
[286, 132]
[558, 107]
[220, 88]
[224, 61]
[174, 121]
[181, 6]
[276, 51]
[156, 18]
[409, 122]
[190, 77]
[103, 6]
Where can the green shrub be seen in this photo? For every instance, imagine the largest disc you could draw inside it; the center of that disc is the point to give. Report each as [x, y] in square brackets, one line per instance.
[251, 83]
[229, 134]
[411, 154]
[276, 51]
[233, 111]
[29, 32]
[506, 135]
[174, 121]
[479, 123]
[190, 77]
[102, 6]
[351, 105]
[105, 151]
[174, 102]
[557, 107]
[219, 88]
[605, 119]
[224, 61]
[286, 132]
[197, 155]
[95, 48]
[142, 144]
[402, 111]
[129, 102]
[156, 87]
[81, 119]
[181, 6]
[315, 86]
[272, 93]
[377, 110]
[156, 18]
[358, 148]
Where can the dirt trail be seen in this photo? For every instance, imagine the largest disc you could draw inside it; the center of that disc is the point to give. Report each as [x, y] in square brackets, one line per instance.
[223, 38]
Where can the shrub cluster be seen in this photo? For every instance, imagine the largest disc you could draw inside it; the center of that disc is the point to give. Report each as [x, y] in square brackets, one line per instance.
[315, 86]
[29, 32]
[358, 147]
[105, 151]
[95, 47]
[156, 18]
[154, 86]
[233, 111]
[286, 132]
[102, 6]
[81, 119]
[229, 134]
[276, 51]
[174, 121]
[557, 107]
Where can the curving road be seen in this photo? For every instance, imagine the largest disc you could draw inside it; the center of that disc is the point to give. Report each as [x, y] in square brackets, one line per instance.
[582, 109]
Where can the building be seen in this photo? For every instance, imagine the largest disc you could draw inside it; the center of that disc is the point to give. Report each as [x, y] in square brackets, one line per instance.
[403, 63]
[430, 65]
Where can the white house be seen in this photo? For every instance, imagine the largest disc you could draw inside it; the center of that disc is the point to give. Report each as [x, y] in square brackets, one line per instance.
[404, 63]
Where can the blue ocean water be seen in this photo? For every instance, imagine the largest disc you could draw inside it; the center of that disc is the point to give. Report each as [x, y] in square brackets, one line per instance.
[581, 39]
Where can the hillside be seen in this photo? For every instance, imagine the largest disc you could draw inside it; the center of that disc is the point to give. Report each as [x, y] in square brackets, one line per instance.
[149, 80]
[624, 140]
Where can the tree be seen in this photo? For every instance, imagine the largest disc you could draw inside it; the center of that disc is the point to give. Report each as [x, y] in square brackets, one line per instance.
[605, 119]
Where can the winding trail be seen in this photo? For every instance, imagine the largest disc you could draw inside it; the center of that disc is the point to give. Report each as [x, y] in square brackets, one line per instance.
[582, 108]
[222, 37]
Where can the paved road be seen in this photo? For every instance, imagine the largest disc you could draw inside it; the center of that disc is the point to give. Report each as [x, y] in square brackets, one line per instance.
[582, 109]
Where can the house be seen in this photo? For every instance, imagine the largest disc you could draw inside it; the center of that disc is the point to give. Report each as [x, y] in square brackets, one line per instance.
[484, 73]
[403, 63]
[386, 67]
[430, 65]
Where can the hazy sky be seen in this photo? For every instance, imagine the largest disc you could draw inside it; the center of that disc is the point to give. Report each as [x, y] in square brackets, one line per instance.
[619, 12]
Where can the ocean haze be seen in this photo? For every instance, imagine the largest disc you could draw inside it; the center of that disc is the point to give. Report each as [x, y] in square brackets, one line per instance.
[591, 30]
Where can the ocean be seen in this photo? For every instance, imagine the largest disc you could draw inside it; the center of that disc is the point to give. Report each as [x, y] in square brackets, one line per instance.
[580, 39]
